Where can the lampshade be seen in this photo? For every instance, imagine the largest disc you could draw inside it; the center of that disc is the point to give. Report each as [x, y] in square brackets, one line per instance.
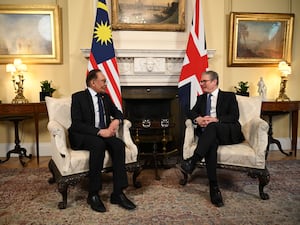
[10, 68]
[17, 62]
[284, 68]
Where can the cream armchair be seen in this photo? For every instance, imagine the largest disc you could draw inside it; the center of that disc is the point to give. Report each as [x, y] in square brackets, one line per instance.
[249, 155]
[68, 166]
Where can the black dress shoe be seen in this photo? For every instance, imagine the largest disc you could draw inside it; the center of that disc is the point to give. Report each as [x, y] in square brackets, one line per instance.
[122, 201]
[187, 166]
[215, 196]
[95, 203]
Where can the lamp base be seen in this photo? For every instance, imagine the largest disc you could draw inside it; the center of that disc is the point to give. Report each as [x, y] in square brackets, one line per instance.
[19, 99]
[282, 96]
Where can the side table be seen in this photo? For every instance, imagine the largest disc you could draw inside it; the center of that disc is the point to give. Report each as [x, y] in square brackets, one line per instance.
[273, 108]
[18, 149]
[28, 109]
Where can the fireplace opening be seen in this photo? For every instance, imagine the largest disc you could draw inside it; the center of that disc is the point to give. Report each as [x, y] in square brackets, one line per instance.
[138, 110]
[154, 114]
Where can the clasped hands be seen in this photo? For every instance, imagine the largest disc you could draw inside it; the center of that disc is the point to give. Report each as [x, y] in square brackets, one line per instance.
[111, 130]
[203, 121]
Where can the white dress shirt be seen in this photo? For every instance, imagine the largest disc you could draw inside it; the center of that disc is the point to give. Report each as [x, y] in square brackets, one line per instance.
[214, 98]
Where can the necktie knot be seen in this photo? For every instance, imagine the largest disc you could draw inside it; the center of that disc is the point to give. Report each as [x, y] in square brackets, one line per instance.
[99, 95]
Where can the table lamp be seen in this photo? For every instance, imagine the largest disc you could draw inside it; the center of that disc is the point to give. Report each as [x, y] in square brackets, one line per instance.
[285, 70]
[17, 69]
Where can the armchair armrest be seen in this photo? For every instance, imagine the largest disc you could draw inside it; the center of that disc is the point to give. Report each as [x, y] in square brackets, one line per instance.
[126, 137]
[58, 135]
[256, 133]
[190, 139]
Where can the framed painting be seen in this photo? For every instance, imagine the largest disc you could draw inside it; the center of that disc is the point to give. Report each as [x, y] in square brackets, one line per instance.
[32, 33]
[260, 39]
[151, 15]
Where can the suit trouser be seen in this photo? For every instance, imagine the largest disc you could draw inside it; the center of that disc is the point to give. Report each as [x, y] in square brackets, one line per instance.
[116, 148]
[208, 143]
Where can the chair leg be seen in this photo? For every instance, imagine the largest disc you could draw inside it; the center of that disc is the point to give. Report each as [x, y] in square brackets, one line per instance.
[263, 178]
[51, 180]
[63, 182]
[63, 189]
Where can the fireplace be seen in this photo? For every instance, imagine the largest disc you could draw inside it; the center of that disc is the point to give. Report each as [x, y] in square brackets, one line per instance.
[154, 113]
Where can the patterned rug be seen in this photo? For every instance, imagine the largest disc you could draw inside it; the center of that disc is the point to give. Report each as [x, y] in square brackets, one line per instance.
[27, 198]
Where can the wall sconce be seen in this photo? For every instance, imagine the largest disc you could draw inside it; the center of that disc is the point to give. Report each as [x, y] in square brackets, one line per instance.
[17, 69]
[285, 70]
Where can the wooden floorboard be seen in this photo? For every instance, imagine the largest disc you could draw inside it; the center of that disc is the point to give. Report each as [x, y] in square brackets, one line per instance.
[13, 162]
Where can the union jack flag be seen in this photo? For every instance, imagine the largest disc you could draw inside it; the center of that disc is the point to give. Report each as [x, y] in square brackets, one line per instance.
[102, 54]
[195, 62]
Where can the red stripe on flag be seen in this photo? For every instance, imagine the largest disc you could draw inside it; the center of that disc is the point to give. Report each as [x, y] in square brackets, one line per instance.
[114, 61]
[112, 80]
[93, 61]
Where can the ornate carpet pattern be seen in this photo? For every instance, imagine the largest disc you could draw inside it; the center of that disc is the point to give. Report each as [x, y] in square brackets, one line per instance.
[27, 198]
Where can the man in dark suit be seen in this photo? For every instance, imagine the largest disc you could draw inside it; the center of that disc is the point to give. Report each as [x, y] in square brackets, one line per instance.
[216, 115]
[95, 120]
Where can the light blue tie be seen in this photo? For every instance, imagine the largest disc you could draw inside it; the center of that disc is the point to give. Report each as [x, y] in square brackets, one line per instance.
[208, 105]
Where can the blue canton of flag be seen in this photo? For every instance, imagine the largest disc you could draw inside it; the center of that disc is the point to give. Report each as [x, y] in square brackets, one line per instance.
[102, 54]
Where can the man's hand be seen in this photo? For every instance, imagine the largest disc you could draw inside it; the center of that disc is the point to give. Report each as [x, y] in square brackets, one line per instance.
[114, 126]
[111, 130]
[205, 120]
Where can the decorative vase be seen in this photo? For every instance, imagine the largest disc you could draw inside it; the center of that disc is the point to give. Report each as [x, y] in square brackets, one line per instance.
[43, 95]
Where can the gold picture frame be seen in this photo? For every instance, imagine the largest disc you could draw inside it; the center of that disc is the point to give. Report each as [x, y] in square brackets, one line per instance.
[260, 39]
[150, 15]
[32, 33]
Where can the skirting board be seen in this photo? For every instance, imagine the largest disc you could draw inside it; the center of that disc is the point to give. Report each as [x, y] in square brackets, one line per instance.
[45, 148]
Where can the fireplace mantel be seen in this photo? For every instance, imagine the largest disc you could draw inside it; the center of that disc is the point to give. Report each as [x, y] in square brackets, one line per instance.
[150, 67]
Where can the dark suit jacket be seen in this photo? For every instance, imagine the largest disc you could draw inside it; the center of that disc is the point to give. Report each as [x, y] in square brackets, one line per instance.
[227, 113]
[83, 116]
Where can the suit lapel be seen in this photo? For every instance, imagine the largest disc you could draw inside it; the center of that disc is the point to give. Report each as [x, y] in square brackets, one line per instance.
[203, 105]
[90, 103]
[220, 101]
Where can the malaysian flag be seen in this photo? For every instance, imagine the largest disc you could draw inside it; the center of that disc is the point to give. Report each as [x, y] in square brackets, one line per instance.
[195, 62]
[102, 54]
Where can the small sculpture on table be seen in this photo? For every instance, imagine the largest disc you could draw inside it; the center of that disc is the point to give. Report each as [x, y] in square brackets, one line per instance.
[262, 89]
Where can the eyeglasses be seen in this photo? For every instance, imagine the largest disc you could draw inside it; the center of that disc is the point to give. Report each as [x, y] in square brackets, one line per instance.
[204, 81]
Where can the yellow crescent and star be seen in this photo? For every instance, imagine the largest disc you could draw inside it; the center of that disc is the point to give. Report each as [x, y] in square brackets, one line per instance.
[102, 31]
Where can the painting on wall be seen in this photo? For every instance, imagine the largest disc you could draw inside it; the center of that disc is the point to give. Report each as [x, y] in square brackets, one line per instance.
[32, 33]
[163, 15]
[260, 39]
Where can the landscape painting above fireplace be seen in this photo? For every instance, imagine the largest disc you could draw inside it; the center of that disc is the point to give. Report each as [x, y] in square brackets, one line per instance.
[162, 15]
